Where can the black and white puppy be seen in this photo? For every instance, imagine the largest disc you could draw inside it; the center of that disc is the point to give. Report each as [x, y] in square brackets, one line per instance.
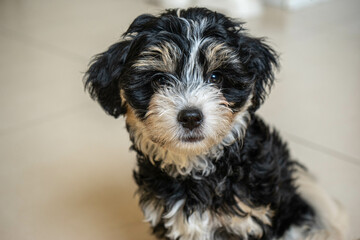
[189, 83]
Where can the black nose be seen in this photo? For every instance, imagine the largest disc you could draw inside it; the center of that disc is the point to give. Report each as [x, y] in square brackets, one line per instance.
[190, 118]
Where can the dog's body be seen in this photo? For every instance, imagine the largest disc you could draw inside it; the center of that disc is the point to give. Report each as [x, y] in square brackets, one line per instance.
[189, 83]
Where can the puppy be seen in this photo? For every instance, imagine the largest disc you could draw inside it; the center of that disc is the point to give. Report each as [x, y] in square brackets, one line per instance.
[189, 83]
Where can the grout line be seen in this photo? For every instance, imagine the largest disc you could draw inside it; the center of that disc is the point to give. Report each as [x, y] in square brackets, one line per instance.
[323, 149]
[44, 119]
[41, 45]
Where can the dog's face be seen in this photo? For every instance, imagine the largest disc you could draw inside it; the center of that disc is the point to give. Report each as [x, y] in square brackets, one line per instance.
[184, 79]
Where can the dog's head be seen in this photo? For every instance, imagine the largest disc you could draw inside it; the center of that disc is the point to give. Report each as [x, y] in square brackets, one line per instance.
[185, 79]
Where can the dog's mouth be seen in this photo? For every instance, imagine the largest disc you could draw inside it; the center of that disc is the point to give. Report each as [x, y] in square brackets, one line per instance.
[192, 139]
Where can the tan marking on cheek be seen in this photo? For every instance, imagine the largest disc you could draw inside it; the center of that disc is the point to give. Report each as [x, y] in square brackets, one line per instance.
[229, 114]
[131, 118]
[163, 58]
[157, 125]
[149, 123]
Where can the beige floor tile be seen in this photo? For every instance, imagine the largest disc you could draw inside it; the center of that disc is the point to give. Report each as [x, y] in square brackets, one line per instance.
[36, 85]
[139, 231]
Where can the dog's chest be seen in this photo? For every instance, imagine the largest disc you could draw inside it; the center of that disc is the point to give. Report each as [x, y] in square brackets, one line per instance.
[208, 224]
[195, 209]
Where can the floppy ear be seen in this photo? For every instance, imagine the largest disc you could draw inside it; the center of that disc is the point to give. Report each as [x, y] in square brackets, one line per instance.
[103, 78]
[260, 60]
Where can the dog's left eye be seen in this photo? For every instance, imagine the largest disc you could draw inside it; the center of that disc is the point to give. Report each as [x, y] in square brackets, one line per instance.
[159, 80]
[215, 78]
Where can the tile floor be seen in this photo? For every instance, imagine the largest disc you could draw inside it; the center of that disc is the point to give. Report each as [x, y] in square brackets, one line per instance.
[65, 168]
